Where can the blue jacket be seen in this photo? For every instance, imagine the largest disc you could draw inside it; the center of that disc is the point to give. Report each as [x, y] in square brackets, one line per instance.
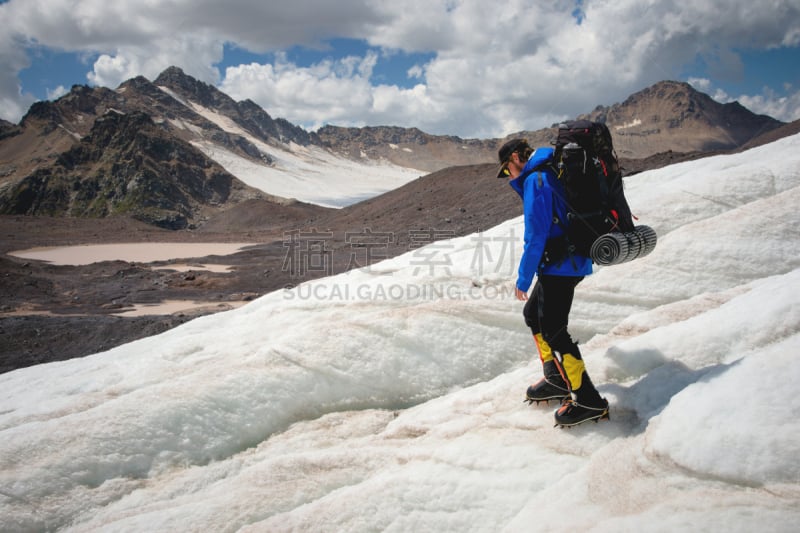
[541, 191]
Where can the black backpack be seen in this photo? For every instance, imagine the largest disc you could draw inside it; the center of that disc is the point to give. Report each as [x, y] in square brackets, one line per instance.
[588, 168]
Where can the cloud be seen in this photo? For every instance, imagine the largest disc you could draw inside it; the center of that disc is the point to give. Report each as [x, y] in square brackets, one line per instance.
[496, 67]
[701, 84]
[329, 91]
[256, 25]
[785, 107]
[195, 54]
[58, 92]
[133, 38]
[499, 68]
[13, 102]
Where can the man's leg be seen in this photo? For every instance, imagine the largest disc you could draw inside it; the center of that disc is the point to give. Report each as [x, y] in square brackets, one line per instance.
[555, 303]
[552, 386]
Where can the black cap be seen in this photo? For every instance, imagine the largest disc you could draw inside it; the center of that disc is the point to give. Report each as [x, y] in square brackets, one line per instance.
[504, 154]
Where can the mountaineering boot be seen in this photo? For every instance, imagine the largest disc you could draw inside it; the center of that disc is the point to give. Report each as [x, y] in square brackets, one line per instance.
[585, 402]
[571, 413]
[552, 386]
[544, 391]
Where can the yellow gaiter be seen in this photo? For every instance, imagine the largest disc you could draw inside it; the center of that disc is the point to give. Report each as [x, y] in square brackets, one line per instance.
[574, 369]
[545, 352]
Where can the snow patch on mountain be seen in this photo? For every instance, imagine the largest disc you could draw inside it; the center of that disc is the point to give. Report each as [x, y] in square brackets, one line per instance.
[306, 173]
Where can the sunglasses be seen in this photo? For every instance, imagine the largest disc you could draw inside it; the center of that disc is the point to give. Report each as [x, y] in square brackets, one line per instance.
[504, 169]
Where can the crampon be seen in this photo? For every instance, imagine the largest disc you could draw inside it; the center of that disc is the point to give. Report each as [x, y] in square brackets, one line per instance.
[544, 391]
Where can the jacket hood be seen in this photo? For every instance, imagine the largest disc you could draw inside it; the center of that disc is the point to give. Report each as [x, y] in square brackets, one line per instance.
[539, 157]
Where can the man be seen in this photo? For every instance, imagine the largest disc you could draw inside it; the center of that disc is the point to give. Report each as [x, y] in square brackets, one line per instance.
[533, 175]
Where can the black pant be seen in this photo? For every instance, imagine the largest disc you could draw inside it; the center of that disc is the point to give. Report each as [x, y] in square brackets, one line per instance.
[547, 311]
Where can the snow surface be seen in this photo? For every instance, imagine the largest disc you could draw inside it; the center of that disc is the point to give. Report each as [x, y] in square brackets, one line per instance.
[390, 398]
[306, 173]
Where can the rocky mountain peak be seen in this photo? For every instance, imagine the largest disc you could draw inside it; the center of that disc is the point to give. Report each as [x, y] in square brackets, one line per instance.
[75, 111]
[195, 90]
[140, 85]
[673, 115]
[247, 114]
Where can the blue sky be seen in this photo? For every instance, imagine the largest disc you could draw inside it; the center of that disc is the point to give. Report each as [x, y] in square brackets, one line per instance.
[51, 68]
[445, 66]
[776, 69]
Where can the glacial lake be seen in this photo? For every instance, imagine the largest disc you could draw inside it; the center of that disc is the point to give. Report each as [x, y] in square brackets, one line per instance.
[144, 253]
[139, 252]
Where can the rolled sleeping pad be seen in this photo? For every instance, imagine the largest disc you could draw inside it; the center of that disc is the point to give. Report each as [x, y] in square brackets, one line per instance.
[615, 248]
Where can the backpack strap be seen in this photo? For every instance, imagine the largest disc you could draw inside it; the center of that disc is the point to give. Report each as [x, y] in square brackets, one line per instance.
[556, 249]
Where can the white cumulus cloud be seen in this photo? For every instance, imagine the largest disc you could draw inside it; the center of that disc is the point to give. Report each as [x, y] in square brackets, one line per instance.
[785, 108]
[494, 67]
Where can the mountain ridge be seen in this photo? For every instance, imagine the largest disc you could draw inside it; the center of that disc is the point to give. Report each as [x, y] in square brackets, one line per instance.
[246, 113]
[670, 118]
[676, 115]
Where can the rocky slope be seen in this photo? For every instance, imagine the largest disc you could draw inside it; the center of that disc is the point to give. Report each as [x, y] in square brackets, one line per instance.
[7, 129]
[127, 165]
[407, 147]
